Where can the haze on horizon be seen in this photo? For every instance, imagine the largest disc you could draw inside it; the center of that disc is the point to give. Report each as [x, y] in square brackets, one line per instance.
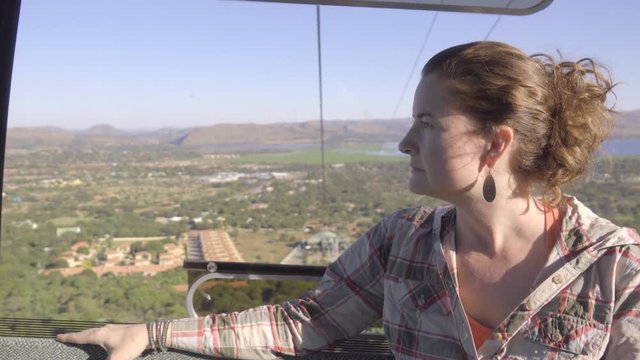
[162, 64]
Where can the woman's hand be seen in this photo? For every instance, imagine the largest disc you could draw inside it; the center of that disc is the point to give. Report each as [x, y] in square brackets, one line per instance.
[122, 342]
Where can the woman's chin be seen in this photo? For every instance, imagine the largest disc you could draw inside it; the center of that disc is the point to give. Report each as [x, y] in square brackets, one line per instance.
[426, 191]
[418, 190]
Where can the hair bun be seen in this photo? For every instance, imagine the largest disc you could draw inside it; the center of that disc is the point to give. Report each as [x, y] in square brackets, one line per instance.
[579, 118]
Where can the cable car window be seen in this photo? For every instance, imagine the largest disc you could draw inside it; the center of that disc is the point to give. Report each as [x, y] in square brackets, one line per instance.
[143, 134]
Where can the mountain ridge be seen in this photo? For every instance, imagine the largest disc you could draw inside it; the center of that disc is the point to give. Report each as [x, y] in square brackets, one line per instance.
[228, 135]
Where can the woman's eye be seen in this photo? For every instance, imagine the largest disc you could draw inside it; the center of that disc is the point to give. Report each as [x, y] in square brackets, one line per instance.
[425, 123]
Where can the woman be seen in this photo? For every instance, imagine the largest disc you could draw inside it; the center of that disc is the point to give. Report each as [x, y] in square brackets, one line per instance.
[513, 269]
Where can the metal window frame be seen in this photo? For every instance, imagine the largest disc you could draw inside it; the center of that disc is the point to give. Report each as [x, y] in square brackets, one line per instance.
[412, 5]
[9, 15]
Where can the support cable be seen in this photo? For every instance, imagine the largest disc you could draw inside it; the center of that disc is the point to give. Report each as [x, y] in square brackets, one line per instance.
[492, 28]
[321, 103]
[415, 64]
[496, 22]
[424, 43]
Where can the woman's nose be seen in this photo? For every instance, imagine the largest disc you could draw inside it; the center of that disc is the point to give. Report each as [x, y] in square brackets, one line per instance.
[405, 145]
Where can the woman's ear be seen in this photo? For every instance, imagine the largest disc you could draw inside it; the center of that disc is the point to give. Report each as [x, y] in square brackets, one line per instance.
[500, 141]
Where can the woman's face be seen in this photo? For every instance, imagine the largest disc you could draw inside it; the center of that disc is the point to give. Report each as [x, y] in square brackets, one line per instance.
[445, 145]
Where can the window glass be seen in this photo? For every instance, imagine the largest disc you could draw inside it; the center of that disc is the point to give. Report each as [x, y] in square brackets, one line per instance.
[143, 134]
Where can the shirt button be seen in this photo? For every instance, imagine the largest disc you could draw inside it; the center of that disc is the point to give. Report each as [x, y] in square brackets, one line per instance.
[530, 305]
[497, 336]
[557, 279]
[557, 337]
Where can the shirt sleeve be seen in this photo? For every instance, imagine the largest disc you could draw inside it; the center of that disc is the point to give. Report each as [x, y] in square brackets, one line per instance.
[347, 300]
[624, 341]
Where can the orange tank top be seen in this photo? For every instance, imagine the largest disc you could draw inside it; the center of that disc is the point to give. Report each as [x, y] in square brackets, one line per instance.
[480, 332]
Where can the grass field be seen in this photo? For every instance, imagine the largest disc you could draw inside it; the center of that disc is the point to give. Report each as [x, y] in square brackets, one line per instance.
[313, 156]
[263, 246]
[67, 220]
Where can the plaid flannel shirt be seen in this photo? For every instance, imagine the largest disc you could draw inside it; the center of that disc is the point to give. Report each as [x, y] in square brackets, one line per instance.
[586, 306]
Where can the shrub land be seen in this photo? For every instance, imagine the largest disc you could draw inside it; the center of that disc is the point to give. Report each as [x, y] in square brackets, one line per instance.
[269, 204]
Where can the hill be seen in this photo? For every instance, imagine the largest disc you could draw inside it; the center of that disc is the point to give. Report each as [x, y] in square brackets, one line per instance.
[251, 136]
[627, 124]
[34, 137]
[335, 132]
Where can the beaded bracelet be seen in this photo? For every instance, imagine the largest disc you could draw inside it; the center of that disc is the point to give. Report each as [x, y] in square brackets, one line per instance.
[163, 338]
[157, 332]
[150, 334]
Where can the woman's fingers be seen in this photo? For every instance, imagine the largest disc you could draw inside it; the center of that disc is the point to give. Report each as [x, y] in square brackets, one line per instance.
[122, 342]
[88, 336]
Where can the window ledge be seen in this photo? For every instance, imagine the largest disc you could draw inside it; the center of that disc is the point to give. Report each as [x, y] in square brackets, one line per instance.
[18, 348]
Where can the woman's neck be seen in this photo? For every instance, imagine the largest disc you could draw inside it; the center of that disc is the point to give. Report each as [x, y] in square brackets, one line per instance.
[499, 228]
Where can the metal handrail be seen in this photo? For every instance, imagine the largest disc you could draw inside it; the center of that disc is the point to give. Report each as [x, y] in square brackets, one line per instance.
[246, 271]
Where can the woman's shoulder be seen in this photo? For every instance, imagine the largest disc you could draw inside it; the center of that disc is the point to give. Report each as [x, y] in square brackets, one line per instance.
[416, 215]
[584, 226]
[416, 218]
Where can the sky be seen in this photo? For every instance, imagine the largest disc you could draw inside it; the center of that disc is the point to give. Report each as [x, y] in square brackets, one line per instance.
[149, 64]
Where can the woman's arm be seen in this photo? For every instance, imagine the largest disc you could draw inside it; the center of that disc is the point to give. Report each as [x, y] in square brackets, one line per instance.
[347, 300]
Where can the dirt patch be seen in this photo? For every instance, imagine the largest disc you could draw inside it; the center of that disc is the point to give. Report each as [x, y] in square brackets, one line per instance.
[265, 246]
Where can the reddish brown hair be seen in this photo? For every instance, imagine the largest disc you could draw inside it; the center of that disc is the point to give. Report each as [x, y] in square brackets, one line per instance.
[557, 109]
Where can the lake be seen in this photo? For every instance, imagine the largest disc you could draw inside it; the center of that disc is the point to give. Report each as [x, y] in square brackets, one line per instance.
[612, 147]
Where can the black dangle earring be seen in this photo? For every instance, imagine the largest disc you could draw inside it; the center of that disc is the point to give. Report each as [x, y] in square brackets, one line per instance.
[489, 188]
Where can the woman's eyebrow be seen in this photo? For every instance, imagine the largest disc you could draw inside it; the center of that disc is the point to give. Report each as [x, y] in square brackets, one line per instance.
[419, 115]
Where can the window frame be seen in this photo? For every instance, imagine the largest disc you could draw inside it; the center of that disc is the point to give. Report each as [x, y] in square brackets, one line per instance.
[416, 5]
[9, 18]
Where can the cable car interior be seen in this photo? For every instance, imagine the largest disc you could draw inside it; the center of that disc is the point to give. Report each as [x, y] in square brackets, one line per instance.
[32, 337]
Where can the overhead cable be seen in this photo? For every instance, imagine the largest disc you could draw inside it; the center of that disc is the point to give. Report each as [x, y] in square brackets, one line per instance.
[321, 103]
[486, 37]
[415, 64]
[419, 56]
